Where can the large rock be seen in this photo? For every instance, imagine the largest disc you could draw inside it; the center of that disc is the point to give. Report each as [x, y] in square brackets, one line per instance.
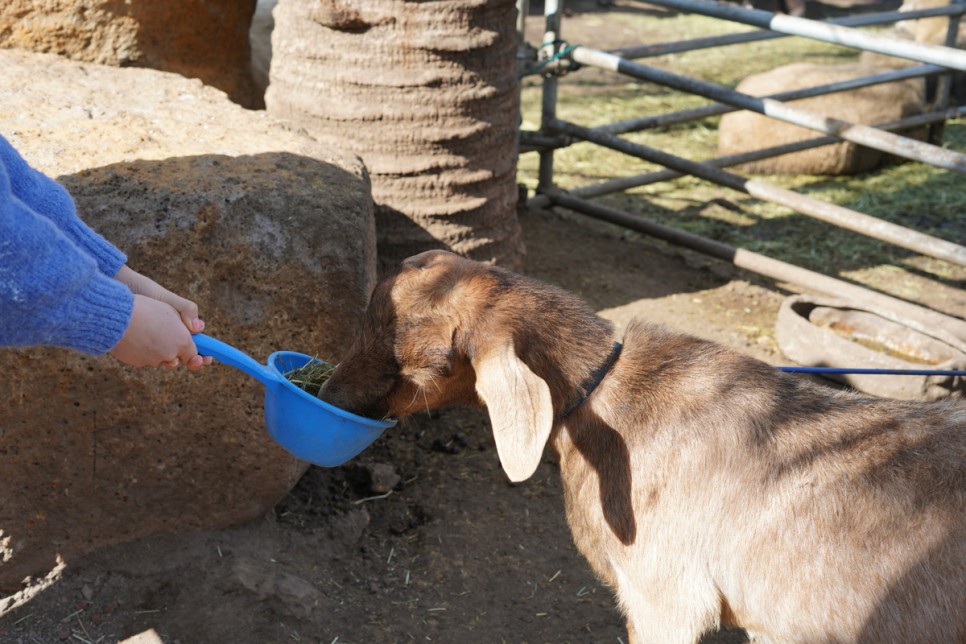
[206, 39]
[743, 131]
[931, 31]
[270, 233]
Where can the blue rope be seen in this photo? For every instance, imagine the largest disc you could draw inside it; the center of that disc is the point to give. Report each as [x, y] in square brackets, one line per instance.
[895, 372]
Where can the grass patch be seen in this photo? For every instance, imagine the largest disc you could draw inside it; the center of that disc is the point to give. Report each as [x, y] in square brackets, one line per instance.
[915, 195]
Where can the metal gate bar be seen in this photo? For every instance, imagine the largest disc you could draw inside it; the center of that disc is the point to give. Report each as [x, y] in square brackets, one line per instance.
[636, 181]
[836, 34]
[533, 140]
[938, 325]
[865, 20]
[856, 133]
[548, 105]
[716, 109]
[830, 213]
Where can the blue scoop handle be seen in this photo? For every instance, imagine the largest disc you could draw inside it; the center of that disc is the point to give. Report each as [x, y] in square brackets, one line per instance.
[229, 355]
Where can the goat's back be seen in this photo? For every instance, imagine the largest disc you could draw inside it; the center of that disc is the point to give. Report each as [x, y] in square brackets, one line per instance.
[811, 514]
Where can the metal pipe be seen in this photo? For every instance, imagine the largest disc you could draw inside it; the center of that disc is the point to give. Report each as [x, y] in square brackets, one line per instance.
[862, 134]
[693, 44]
[922, 319]
[836, 34]
[538, 140]
[830, 213]
[945, 82]
[715, 109]
[523, 10]
[552, 11]
[636, 181]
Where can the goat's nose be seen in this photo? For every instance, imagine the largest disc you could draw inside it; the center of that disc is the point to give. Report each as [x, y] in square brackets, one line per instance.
[330, 393]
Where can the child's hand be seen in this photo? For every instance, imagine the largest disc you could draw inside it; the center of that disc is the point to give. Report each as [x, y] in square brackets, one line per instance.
[157, 337]
[141, 285]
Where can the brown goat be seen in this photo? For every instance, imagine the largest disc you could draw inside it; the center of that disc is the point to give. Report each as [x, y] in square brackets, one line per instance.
[705, 487]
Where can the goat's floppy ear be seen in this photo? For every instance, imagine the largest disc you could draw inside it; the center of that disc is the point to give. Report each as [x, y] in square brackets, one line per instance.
[520, 408]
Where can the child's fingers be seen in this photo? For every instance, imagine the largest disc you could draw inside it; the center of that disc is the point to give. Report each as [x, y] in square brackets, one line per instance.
[187, 309]
[143, 285]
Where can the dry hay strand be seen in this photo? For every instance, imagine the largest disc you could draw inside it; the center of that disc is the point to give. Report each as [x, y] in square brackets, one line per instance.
[311, 376]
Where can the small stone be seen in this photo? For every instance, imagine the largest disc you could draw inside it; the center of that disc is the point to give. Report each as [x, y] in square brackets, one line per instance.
[445, 447]
[383, 478]
[297, 596]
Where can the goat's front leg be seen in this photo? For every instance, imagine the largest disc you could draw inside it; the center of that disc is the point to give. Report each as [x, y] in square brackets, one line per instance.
[632, 636]
[653, 629]
[676, 617]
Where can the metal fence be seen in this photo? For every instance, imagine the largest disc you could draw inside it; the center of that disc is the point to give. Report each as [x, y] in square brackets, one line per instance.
[554, 56]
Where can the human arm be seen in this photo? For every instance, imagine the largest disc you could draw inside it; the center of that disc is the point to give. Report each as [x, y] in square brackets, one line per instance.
[51, 292]
[47, 198]
[57, 286]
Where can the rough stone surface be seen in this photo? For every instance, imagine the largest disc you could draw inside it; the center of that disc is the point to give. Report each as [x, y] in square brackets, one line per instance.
[743, 131]
[426, 94]
[206, 39]
[931, 31]
[825, 332]
[269, 232]
[289, 594]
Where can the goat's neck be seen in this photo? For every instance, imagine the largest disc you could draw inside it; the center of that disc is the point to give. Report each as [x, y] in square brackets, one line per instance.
[567, 349]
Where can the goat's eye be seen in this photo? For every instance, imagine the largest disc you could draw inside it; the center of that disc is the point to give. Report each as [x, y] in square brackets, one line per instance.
[438, 364]
[444, 369]
[426, 374]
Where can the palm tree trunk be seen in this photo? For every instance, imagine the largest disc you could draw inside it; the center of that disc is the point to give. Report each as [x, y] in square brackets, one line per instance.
[425, 93]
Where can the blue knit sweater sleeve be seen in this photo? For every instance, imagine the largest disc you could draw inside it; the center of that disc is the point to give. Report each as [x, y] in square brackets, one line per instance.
[46, 197]
[52, 292]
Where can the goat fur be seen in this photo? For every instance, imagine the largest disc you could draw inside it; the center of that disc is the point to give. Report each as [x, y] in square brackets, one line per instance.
[704, 486]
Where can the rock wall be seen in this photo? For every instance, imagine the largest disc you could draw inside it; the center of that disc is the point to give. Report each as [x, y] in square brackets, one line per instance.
[205, 39]
[269, 232]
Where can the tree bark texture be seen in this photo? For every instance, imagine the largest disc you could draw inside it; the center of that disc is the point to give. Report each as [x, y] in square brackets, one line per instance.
[425, 92]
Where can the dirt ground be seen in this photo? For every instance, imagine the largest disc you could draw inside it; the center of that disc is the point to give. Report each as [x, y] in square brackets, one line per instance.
[421, 538]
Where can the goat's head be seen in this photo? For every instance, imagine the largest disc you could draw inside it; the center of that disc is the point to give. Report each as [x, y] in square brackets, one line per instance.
[435, 334]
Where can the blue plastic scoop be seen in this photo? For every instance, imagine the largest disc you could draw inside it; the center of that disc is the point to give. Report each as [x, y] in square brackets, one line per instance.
[307, 427]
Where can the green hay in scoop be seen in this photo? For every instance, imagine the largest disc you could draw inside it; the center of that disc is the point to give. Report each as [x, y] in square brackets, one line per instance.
[310, 376]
